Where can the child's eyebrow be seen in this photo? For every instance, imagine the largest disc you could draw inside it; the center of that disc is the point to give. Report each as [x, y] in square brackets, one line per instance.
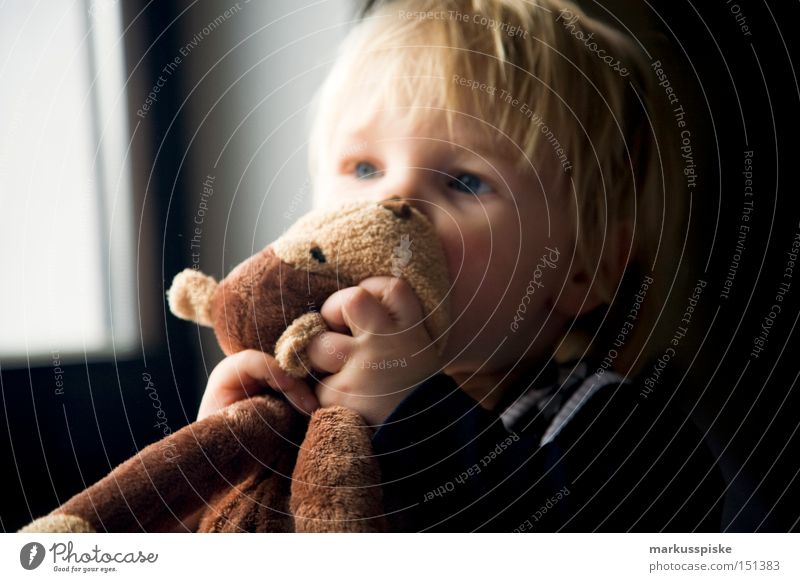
[489, 152]
[354, 134]
[481, 149]
[357, 140]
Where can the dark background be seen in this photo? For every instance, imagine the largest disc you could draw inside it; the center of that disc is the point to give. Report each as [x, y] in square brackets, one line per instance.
[53, 446]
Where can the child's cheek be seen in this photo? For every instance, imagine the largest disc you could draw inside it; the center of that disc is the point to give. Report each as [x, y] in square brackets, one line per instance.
[476, 272]
[455, 256]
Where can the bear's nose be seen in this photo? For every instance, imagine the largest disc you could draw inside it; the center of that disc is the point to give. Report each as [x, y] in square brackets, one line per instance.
[400, 207]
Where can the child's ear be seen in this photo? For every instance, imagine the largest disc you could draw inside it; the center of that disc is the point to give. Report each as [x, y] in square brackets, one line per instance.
[586, 289]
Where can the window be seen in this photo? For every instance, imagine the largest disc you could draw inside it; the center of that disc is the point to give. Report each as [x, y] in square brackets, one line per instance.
[66, 252]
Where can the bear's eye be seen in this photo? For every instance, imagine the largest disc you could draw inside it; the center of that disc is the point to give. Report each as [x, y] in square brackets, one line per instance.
[318, 255]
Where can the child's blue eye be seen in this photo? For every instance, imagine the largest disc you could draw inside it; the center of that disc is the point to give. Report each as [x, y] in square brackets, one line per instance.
[366, 170]
[469, 184]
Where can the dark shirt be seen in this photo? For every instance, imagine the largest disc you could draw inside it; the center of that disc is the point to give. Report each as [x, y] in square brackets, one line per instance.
[573, 451]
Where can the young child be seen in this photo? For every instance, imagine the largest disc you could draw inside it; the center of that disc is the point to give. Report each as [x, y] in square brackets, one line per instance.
[525, 132]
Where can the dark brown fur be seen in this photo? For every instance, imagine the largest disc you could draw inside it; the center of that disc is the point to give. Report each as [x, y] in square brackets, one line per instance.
[258, 300]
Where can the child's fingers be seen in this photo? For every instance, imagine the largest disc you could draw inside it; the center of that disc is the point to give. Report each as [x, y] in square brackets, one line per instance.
[248, 373]
[357, 309]
[397, 296]
[329, 351]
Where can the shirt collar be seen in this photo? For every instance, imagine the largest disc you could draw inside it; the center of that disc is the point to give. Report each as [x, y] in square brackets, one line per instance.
[528, 378]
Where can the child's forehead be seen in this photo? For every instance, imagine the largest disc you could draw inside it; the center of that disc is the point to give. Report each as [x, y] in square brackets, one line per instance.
[365, 126]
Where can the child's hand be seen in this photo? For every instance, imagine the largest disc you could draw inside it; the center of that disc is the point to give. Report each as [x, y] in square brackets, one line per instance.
[387, 355]
[248, 373]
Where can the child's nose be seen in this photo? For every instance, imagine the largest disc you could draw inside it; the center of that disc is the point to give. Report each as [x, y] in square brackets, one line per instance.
[415, 185]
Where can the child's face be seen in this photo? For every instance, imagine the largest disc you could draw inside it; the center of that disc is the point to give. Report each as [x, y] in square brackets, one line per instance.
[494, 223]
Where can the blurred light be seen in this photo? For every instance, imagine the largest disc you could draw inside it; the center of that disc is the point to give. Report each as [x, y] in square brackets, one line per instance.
[66, 260]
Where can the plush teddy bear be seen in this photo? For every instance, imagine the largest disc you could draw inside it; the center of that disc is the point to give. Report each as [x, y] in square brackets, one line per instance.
[271, 301]
[258, 465]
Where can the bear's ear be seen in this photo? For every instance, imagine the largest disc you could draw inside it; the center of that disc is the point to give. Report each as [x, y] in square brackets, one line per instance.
[400, 208]
[190, 296]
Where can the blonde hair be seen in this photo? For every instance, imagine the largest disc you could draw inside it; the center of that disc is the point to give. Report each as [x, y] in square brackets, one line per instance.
[558, 88]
